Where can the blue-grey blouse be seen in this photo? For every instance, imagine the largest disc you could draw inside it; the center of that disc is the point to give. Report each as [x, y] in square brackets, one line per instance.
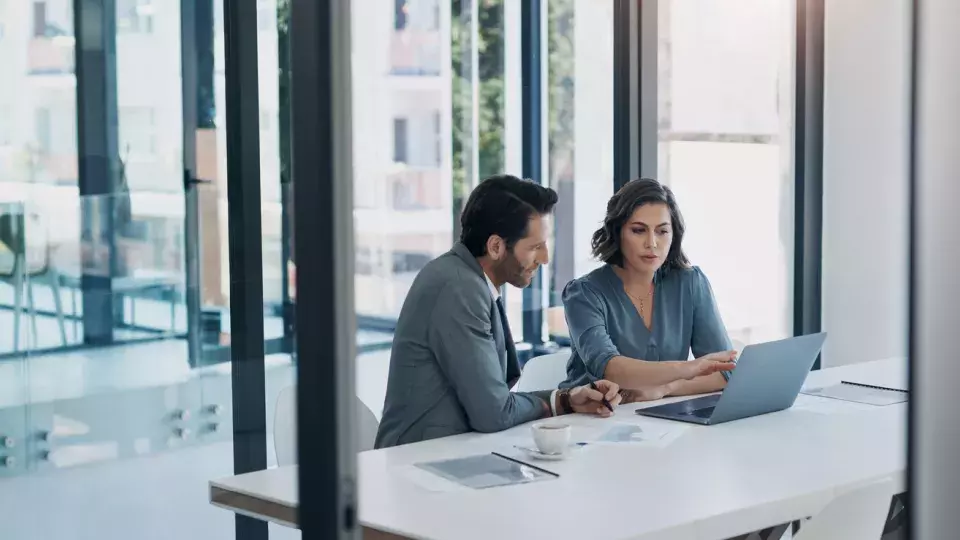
[604, 323]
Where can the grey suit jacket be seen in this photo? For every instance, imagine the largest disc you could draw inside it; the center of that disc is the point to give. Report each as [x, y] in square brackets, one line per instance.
[448, 366]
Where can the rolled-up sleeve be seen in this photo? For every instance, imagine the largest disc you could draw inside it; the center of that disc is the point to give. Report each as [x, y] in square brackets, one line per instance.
[709, 333]
[584, 312]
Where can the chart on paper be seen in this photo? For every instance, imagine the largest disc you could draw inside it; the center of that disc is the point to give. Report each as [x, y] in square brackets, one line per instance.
[622, 433]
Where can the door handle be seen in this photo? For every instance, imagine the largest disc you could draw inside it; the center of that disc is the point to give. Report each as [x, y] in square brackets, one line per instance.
[189, 181]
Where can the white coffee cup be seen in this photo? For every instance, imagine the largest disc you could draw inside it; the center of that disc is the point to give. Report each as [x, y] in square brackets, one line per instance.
[551, 437]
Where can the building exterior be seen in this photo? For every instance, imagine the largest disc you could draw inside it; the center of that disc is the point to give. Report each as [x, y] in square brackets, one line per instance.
[401, 131]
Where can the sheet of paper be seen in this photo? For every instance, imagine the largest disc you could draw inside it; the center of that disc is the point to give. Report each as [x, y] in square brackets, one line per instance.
[896, 380]
[859, 394]
[634, 433]
[822, 405]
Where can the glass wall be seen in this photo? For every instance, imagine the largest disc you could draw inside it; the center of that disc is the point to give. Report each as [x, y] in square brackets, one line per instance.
[38, 151]
[116, 338]
[403, 170]
[415, 125]
[579, 100]
[424, 134]
[101, 390]
[725, 92]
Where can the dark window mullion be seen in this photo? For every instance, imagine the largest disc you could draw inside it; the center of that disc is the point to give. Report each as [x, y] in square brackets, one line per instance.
[245, 248]
[531, 74]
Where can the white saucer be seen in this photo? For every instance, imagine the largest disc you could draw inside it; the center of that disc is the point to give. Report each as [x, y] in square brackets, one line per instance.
[537, 454]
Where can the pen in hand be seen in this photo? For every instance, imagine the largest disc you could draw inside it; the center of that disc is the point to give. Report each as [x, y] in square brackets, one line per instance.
[603, 399]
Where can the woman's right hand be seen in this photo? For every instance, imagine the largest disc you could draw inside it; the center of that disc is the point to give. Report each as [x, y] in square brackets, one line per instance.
[648, 394]
[709, 364]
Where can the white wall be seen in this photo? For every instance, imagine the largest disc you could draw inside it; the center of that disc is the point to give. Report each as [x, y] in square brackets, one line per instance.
[865, 204]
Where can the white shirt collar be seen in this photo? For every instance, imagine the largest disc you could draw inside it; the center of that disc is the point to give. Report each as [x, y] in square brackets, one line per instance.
[494, 291]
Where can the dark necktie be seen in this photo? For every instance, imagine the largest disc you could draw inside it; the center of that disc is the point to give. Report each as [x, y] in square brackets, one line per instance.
[513, 364]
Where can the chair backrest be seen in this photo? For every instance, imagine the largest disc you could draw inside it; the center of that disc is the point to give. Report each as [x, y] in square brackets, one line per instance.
[543, 372]
[285, 426]
[858, 514]
[23, 235]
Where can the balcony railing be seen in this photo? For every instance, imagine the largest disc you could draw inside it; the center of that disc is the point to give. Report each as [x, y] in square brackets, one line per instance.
[415, 189]
[415, 52]
[51, 55]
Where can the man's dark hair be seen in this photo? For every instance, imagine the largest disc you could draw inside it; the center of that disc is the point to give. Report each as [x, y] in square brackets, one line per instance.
[502, 205]
[633, 195]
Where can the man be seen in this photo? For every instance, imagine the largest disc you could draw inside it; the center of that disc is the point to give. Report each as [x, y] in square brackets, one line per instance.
[453, 360]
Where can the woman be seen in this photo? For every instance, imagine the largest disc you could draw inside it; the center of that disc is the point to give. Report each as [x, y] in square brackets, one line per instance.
[635, 320]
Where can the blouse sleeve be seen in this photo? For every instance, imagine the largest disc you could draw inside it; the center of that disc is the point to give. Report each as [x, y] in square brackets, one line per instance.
[584, 312]
[709, 333]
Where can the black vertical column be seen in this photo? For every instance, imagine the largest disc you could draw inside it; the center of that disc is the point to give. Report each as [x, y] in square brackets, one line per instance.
[323, 222]
[531, 76]
[808, 168]
[624, 149]
[635, 71]
[246, 251]
[203, 28]
[99, 162]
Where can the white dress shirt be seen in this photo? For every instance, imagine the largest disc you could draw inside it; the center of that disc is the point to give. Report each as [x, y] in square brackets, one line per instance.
[495, 293]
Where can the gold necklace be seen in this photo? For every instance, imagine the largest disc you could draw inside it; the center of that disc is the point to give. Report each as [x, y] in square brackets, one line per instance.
[641, 299]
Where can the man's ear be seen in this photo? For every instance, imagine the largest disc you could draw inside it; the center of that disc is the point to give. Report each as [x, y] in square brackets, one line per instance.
[496, 247]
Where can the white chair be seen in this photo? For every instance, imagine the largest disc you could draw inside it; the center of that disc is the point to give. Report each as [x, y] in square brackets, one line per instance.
[285, 426]
[859, 514]
[543, 372]
[25, 261]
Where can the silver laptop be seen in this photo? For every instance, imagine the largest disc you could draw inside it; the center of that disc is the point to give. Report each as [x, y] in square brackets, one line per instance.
[767, 379]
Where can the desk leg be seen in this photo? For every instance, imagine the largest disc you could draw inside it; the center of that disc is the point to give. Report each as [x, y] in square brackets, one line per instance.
[374, 534]
[896, 526]
[771, 533]
[76, 316]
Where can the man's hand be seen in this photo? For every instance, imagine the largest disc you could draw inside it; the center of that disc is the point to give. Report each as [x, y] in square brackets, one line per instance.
[586, 400]
[709, 364]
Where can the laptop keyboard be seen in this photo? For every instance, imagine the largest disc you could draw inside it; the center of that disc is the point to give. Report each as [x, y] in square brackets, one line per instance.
[705, 412]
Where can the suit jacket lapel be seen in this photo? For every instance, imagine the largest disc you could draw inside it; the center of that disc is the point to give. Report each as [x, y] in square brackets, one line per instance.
[512, 362]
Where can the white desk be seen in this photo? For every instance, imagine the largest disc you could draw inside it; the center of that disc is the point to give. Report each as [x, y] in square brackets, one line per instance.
[712, 482]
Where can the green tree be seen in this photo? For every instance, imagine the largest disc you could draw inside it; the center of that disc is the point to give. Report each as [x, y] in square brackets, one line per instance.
[283, 63]
[560, 90]
[490, 49]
